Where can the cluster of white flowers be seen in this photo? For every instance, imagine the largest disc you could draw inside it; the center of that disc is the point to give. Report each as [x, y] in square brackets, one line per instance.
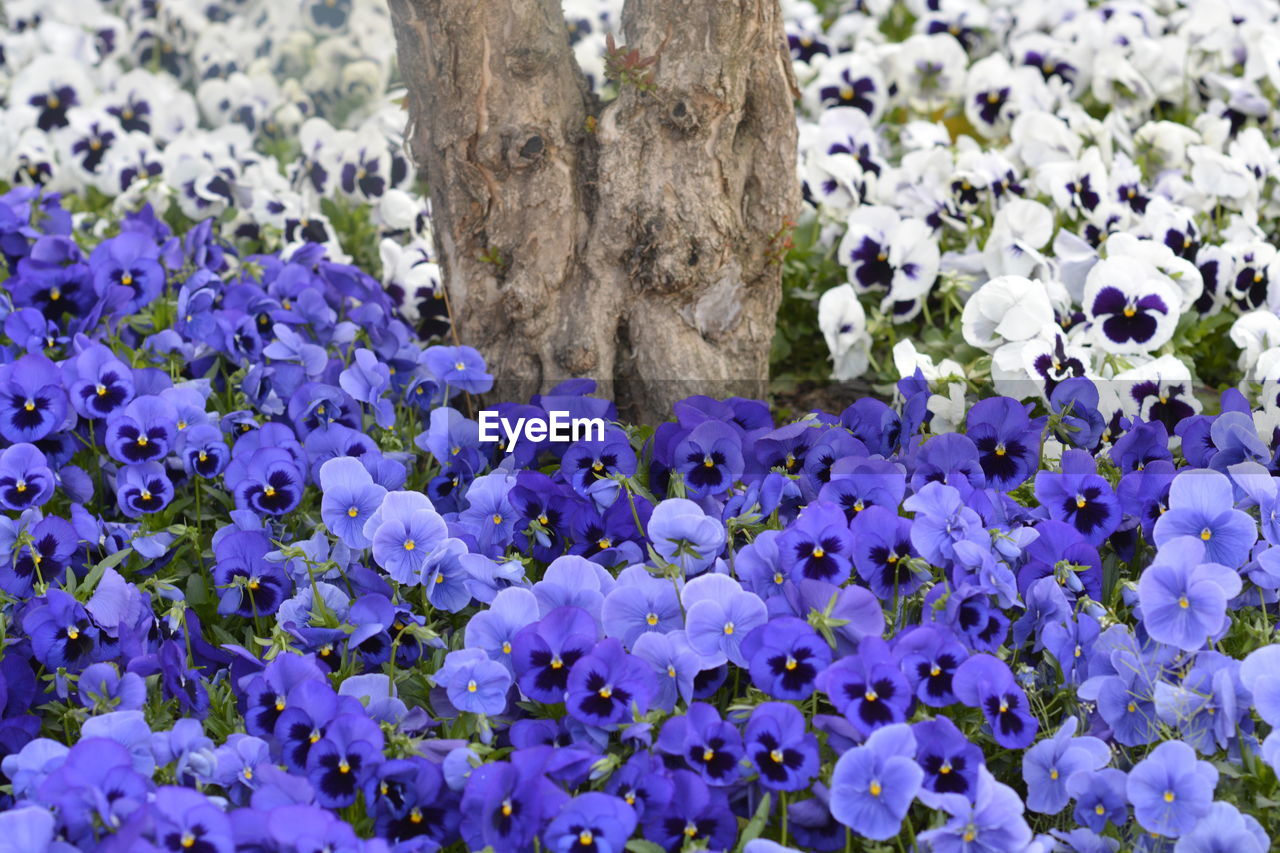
[253, 111]
[1086, 176]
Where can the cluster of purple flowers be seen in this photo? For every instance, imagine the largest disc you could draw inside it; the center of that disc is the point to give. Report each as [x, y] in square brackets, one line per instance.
[266, 589]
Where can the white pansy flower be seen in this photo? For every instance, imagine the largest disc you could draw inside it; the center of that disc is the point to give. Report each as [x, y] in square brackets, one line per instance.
[1021, 229]
[844, 325]
[1254, 333]
[1006, 309]
[1133, 307]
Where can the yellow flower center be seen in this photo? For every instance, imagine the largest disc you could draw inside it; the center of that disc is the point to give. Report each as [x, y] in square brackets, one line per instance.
[506, 808]
[819, 553]
[1168, 796]
[353, 512]
[343, 766]
[1183, 603]
[1206, 534]
[606, 692]
[708, 754]
[506, 648]
[556, 663]
[707, 463]
[1080, 502]
[651, 619]
[1000, 451]
[585, 838]
[870, 695]
[728, 627]
[791, 663]
[188, 840]
[409, 544]
[72, 633]
[30, 406]
[875, 788]
[776, 755]
[497, 519]
[269, 491]
[471, 686]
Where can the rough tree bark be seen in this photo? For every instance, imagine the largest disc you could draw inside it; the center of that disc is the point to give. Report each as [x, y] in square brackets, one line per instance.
[636, 241]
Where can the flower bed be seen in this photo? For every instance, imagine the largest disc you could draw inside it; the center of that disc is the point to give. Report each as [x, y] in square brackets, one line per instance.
[267, 585]
[1027, 194]
[266, 589]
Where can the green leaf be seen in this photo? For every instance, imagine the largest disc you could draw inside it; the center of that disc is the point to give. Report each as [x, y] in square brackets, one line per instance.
[95, 574]
[221, 497]
[197, 591]
[755, 826]
[639, 845]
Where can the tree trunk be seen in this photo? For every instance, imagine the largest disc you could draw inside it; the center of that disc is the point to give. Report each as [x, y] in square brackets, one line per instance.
[635, 242]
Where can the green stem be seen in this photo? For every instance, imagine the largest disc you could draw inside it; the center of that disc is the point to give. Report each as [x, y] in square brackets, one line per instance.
[253, 605]
[782, 799]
